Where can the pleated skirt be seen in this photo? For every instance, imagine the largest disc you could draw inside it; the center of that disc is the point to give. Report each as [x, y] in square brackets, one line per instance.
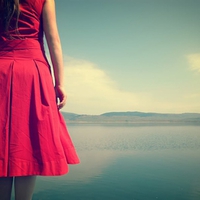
[34, 139]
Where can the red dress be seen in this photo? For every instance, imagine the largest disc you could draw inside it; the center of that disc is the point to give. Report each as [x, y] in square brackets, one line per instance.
[33, 136]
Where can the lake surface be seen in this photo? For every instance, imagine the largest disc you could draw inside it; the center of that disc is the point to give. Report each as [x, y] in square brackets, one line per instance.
[129, 163]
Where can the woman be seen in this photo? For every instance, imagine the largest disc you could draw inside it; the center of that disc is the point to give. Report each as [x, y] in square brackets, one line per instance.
[33, 135]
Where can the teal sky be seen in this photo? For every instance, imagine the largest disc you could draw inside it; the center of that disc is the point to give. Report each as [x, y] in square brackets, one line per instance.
[131, 55]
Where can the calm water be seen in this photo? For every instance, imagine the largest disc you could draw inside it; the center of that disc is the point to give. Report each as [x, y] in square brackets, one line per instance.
[134, 162]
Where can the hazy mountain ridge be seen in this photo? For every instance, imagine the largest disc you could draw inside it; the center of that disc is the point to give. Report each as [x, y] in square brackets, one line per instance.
[133, 118]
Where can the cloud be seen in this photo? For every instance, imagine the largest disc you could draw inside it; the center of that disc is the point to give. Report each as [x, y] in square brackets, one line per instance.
[92, 91]
[194, 61]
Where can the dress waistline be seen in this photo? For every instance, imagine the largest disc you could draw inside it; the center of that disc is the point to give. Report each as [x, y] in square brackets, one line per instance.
[20, 44]
[16, 49]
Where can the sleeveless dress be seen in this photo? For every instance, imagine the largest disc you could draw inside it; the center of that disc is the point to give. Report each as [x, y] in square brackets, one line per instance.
[34, 139]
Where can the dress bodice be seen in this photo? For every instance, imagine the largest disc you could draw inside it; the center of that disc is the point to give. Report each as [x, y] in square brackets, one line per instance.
[30, 23]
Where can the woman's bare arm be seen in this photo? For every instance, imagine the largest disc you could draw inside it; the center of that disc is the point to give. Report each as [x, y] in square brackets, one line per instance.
[54, 45]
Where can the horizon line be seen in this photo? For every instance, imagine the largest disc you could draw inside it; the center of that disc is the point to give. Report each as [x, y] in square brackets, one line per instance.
[133, 112]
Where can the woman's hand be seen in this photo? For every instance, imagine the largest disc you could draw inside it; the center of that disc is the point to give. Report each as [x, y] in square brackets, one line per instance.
[61, 96]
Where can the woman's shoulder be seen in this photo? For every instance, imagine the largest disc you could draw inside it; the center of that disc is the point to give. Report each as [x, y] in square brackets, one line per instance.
[34, 7]
[32, 1]
[34, 4]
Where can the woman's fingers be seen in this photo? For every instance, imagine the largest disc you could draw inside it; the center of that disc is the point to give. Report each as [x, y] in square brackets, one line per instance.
[62, 102]
[61, 95]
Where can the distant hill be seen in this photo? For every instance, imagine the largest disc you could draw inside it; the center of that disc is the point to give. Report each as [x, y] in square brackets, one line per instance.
[134, 118]
[150, 114]
[69, 115]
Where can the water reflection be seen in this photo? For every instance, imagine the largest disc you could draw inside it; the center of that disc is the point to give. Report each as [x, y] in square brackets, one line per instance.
[135, 138]
[129, 163]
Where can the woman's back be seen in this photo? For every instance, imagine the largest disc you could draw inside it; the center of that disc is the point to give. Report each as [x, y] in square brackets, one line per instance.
[33, 135]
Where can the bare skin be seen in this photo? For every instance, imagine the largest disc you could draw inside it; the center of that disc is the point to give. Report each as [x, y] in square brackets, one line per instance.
[53, 41]
[24, 185]
[6, 188]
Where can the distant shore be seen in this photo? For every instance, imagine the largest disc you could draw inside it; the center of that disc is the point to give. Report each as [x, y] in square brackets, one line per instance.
[134, 118]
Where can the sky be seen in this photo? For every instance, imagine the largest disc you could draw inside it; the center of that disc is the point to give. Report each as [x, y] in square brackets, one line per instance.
[130, 55]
